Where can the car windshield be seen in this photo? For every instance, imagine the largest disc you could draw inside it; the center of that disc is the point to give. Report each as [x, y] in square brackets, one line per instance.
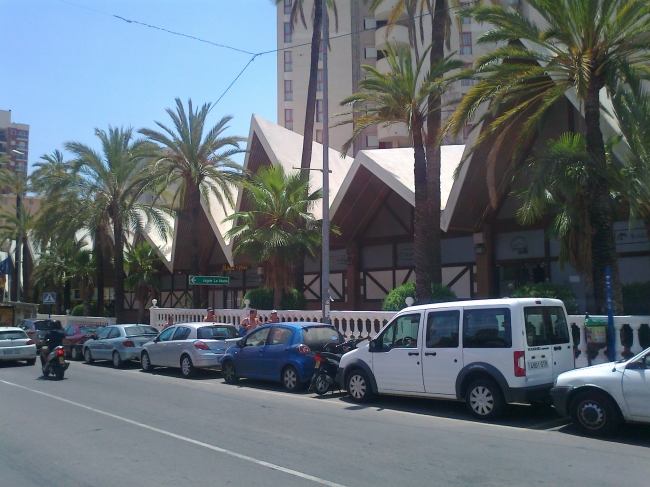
[216, 332]
[42, 325]
[88, 330]
[12, 335]
[316, 337]
[134, 331]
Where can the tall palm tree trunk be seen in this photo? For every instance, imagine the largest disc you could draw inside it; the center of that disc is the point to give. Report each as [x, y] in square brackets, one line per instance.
[99, 258]
[194, 212]
[603, 246]
[421, 220]
[67, 304]
[142, 300]
[118, 260]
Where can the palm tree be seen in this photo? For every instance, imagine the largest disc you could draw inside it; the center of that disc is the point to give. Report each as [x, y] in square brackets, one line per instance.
[52, 269]
[195, 164]
[588, 45]
[278, 225]
[82, 269]
[143, 279]
[116, 179]
[394, 97]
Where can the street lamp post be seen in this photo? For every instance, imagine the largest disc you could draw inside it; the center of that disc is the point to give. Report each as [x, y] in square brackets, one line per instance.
[325, 277]
[19, 230]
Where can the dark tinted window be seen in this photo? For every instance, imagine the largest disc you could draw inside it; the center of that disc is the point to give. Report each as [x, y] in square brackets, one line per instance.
[280, 335]
[134, 331]
[42, 325]
[182, 333]
[442, 329]
[545, 325]
[216, 332]
[316, 337]
[12, 335]
[487, 328]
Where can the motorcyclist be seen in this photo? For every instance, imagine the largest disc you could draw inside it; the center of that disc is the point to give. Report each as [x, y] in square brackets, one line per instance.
[53, 338]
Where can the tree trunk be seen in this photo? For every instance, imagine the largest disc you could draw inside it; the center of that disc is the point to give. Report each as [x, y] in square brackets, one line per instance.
[26, 272]
[603, 246]
[433, 155]
[142, 300]
[421, 224]
[277, 297]
[66, 296]
[99, 259]
[86, 299]
[194, 211]
[118, 260]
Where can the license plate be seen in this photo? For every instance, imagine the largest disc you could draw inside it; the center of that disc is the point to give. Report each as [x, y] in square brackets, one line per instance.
[317, 363]
[61, 359]
[540, 364]
[11, 352]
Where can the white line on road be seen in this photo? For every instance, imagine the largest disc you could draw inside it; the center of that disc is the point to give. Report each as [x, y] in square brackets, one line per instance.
[262, 463]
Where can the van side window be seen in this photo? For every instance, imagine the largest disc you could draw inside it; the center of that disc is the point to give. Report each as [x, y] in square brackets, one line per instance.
[442, 329]
[545, 325]
[401, 333]
[487, 328]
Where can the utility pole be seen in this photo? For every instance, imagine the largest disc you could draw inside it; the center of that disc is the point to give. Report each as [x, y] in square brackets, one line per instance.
[325, 277]
[19, 230]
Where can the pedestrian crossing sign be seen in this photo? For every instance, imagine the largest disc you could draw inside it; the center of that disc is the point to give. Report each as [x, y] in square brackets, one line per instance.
[49, 298]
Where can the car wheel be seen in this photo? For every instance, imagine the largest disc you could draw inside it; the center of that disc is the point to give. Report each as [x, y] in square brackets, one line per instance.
[88, 358]
[74, 353]
[594, 413]
[31, 361]
[117, 360]
[187, 368]
[145, 362]
[229, 373]
[484, 399]
[322, 386]
[358, 386]
[290, 379]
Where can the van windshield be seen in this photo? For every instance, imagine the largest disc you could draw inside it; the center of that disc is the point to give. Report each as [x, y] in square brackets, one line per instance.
[545, 325]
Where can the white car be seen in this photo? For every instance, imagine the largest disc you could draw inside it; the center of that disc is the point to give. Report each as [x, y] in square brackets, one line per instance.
[15, 345]
[488, 353]
[598, 398]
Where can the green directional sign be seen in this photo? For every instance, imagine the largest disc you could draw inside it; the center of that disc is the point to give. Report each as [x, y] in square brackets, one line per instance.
[209, 280]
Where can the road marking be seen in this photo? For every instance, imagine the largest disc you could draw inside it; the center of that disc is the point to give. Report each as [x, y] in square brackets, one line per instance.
[246, 458]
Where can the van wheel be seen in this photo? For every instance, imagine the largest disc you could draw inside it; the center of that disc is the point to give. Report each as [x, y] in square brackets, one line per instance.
[484, 399]
[358, 386]
[594, 413]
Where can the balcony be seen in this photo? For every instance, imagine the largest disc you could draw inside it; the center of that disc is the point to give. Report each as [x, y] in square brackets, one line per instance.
[399, 36]
[397, 134]
[385, 8]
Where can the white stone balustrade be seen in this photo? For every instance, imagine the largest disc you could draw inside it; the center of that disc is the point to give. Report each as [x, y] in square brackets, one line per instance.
[67, 320]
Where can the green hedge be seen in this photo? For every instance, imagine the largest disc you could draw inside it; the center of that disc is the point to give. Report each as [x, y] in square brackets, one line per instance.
[293, 299]
[636, 298]
[396, 299]
[262, 298]
[549, 290]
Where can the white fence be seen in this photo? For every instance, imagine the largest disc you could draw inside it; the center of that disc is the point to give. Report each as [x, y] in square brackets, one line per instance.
[67, 320]
[368, 323]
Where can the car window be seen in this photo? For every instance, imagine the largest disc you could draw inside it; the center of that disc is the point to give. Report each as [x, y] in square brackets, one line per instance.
[216, 332]
[280, 335]
[167, 334]
[41, 325]
[401, 333]
[545, 325]
[69, 331]
[316, 337]
[114, 333]
[182, 332]
[134, 331]
[257, 338]
[487, 328]
[25, 325]
[12, 335]
[88, 330]
[442, 329]
[103, 333]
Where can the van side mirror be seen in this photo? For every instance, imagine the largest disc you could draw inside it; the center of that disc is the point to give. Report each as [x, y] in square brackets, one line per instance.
[372, 345]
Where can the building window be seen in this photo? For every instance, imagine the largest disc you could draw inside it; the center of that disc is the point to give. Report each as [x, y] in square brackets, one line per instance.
[372, 141]
[467, 82]
[369, 23]
[288, 118]
[288, 90]
[319, 80]
[466, 130]
[371, 52]
[385, 145]
[287, 32]
[287, 7]
[288, 62]
[465, 20]
[319, 110]
[466, 43]
[319, 136]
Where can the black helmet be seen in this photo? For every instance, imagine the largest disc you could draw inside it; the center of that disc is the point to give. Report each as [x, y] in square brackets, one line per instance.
[55, 325]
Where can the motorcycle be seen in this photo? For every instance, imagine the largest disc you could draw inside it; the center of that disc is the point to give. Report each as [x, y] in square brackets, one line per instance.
[55, 364]
[327, 365]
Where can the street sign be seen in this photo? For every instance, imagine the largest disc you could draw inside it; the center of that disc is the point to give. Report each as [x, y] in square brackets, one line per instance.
[209, 280]
[49, 298]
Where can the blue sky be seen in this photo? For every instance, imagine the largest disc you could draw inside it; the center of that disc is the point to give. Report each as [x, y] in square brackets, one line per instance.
[68, 69]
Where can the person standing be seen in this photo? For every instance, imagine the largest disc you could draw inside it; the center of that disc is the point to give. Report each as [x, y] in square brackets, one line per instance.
[274, 317]
[250, 323]
[211, 318]
[170, 322]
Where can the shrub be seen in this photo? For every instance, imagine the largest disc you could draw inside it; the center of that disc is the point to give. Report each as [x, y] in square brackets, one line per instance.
[396, 299]
[549, 290]
[636, 298]
[293, 299]
[261, 298]
[78, 310]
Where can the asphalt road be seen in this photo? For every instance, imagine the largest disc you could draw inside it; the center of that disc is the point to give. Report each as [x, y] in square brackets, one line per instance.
[106, 427]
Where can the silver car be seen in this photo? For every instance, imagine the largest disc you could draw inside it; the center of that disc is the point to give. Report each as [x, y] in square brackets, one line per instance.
[118, 343]
[189, 346]
[15, 345]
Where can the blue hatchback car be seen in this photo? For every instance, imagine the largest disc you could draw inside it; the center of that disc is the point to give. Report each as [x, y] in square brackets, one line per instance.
[280, 352]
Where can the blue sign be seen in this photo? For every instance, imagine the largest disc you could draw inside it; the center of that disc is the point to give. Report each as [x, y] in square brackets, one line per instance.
[49, 298]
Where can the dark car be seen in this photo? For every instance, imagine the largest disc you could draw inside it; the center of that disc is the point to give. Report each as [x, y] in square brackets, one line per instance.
[281, 352]
[75, 336]
[36, 329]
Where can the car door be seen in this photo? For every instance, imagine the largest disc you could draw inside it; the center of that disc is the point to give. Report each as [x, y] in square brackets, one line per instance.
[68, 340]
[250, 356]
[109, 344]
[156, 349]
[396, 360]
[636, 388]
[96, 344]
[276, 350]
[539, 338]
[442, 356]
[172, 350]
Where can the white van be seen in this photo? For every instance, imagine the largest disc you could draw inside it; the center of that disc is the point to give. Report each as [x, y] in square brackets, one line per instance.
[487, 352]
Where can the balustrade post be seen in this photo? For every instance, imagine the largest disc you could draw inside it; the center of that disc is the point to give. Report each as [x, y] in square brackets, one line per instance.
[583, 359]
[636, 344]
[618, 345]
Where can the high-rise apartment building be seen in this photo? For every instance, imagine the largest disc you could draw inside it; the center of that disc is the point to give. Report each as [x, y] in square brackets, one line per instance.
[361, 39]
[14, 142]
